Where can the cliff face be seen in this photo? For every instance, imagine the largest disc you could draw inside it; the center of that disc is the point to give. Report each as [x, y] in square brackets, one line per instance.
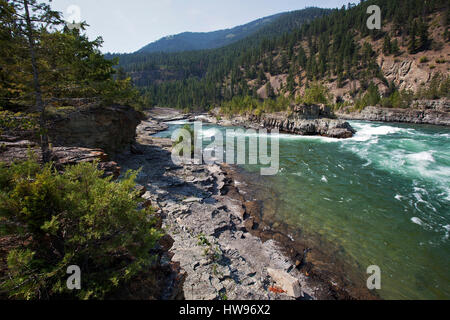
[435, 112]
[109, 128]
[406, 73]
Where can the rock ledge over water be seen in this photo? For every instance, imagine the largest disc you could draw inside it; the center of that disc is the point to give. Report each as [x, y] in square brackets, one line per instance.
[306, 120]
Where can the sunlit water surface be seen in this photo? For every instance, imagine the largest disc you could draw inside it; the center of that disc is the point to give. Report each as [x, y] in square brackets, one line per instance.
[383, 196]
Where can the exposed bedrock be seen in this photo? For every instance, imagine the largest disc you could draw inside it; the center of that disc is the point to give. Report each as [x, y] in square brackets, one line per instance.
[303, 120]
[435, 112]
[111, 128]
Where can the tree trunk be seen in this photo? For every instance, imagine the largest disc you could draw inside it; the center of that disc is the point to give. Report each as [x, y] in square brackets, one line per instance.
[46, 153]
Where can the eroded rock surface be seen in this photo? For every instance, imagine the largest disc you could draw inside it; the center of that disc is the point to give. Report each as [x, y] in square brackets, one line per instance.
[435, 112]
[110, 128]
[211, 243]
[14, 149]
[303, 120]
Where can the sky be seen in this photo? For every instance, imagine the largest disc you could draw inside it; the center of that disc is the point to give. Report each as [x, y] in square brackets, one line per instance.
[127, 26]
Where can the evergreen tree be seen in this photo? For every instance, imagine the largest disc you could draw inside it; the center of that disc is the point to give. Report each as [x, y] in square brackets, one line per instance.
[412, 45]
[387, 45]
[395, 48]
[270, 91]
[424, 40]
[333, 43]
[284, 62]
[121, 74]
[290, 82]
[31, 19]
[261, 76]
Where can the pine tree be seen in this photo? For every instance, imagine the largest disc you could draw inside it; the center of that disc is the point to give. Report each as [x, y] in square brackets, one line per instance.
[290, 81]
[340, 80]
[395, 49]
[387, 45]
[270, 91]
[424, 40]
[31, 17]
[121, 74]
[412, 45]
[261, 76]
[284, 62]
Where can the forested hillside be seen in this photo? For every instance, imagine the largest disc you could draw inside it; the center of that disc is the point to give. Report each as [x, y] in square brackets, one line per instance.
[153, 69]
[188, 41]
[264, 27]
[339, 49]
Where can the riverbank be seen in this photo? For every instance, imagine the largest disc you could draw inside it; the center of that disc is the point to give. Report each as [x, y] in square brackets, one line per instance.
[219, 238]
[435, 112]
[304, 120]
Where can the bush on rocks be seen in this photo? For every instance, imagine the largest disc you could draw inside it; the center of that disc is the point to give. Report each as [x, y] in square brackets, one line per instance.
[73, 218]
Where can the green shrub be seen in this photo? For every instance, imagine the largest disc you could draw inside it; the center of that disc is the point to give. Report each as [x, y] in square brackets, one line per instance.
[10, 121]
[240, 105]
[73, 218]
[370, 98]
[315, 94]
[398, 99]
[439, 87]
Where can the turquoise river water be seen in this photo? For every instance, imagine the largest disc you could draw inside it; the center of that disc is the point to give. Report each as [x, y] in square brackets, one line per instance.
[383, 196]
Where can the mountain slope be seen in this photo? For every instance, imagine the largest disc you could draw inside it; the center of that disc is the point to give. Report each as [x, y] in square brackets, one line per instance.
[355, 64]
[188, 41]
[147, 69]
[268, 26]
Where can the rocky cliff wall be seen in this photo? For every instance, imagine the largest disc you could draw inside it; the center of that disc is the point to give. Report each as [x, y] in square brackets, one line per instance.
[435, 112]
[304, 120]
[110, 128]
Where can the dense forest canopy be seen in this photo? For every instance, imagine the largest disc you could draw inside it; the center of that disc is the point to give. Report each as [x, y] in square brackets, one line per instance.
[304, 48]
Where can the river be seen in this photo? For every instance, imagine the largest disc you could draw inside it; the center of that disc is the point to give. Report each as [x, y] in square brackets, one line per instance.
[382, 197]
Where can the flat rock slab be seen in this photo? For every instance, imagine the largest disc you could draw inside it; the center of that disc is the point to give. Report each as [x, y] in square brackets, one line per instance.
[287, 282]
[191, 200]
[221, 259]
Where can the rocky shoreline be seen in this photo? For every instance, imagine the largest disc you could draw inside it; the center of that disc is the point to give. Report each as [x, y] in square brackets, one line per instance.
[218, 246]
[210, 241]
[219, 239]
[435, 112]
[306, 120]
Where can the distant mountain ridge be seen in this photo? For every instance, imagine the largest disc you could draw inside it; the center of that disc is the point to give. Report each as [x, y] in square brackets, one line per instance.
[190, 41]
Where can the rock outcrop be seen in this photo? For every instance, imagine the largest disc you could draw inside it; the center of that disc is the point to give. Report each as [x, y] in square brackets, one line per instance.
[288, 283]
[206, 222]
[305, 120]
[407, 74]
[150, 127]
[16, 149]
[323, 127]
[110, 128]
[435, 112]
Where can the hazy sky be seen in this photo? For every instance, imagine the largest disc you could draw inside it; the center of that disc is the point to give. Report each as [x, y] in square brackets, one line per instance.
[128, 25]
